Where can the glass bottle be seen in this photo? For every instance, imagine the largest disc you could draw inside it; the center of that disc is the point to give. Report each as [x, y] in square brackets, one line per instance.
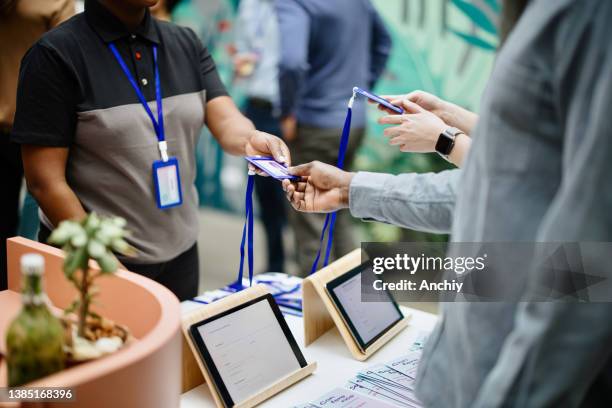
[34, 340]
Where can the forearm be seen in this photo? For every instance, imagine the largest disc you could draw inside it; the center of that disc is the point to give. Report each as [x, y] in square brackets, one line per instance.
[461, 118]
[228, 125]
[422, 202]
[234, 134]
[57, 201]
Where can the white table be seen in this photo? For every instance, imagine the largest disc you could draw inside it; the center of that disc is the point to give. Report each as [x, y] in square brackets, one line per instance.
[335, 364]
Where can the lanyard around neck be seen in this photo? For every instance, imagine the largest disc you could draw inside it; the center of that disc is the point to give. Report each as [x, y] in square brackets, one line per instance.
[158, 125]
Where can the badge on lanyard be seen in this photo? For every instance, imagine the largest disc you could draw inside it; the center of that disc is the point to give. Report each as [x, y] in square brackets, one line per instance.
[166, 175]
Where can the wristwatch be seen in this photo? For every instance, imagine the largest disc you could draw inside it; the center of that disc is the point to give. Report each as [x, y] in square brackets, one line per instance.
[446, 141]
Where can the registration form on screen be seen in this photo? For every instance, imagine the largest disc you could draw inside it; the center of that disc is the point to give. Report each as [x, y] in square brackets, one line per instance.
[368, 318]
[249, 349]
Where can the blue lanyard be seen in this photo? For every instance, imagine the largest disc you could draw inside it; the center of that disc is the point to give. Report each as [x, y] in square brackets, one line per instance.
[158, 124]
[330, 218]
[247, 236]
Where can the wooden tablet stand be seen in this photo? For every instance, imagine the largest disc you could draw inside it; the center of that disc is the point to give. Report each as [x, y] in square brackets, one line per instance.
[191, 357]
[320, 313]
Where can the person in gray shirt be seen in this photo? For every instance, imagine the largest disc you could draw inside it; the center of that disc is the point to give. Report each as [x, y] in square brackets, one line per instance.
[537, 172]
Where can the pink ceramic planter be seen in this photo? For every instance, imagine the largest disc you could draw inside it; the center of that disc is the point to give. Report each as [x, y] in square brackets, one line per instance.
[147, 373]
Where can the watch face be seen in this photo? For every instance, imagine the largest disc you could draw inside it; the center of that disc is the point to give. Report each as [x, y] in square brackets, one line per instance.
[445, 144]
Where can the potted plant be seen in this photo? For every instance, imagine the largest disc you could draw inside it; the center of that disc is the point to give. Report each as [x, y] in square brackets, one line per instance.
[90, 335]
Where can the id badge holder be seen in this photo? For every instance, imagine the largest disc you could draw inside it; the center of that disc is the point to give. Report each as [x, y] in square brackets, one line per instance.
[167, 181]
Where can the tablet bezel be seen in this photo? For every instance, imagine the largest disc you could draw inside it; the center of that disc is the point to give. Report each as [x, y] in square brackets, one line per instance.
[207, 357]
[334, 283]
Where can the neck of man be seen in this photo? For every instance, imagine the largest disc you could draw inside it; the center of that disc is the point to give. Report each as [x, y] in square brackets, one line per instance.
[130, 16]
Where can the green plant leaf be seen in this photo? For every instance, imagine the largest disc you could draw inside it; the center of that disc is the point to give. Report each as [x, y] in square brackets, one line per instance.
[108, 263]
[74, 261]
[477, 16]
[96, 248]
[475, 41]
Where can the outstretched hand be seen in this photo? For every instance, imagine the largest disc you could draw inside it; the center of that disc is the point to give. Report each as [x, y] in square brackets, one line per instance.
[322, 188]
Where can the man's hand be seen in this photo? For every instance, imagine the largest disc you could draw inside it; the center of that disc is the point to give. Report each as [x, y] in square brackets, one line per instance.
[265, 144]
[322, 189]
[289, 128]
[418, 130]
[451, 114]
[244, 64]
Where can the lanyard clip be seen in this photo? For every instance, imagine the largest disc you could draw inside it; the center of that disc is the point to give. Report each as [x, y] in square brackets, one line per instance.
[352, 100]
[163, 150]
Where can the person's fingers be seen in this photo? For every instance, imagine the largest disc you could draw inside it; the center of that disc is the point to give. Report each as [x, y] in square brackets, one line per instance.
[392, 119]
[300, 186]
[392, 131]
[254, 170]
[285, 183]
[302, 170]
[414, 95]
[298, 196]
[412, 107]
[395, 141]
[391, 98]
[404, 148]
[285, 153]
[274, 145]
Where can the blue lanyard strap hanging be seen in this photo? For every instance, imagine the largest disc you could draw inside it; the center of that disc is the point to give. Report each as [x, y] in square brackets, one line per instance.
[247, 236]
[330, 218]
[158, 125]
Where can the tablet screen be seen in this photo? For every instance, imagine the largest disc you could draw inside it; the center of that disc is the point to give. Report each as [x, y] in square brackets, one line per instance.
[366, 320]
[247, 349]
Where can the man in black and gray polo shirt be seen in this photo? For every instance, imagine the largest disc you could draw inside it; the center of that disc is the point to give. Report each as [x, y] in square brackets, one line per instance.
[89, 145]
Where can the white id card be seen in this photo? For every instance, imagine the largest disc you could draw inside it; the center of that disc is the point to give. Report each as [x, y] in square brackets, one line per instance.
[167, 181]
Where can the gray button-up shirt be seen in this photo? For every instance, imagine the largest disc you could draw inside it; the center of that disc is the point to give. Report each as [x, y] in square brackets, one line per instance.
[539, 170]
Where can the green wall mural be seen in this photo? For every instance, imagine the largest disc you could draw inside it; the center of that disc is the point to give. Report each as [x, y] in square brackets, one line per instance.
[445, 47]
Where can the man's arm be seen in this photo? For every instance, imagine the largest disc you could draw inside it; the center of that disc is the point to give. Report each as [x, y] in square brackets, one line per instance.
[237, 135]
[576, 337]
[45, 168]
[44, 125]
[422, 202]
[380, 48]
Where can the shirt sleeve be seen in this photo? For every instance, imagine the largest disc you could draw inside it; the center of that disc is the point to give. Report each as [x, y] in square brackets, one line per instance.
[209, 75]
[421, 202]
[47, 94]
[381, 47]
[294, 28]
[573, 335]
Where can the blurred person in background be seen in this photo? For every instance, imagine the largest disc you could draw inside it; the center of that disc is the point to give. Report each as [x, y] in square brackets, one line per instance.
[22, 22]
[256, 71]
[88, 143]
[538, 171]
[327, 48]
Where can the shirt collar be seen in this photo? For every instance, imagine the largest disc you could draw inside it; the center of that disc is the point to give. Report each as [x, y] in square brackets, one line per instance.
[110, 28]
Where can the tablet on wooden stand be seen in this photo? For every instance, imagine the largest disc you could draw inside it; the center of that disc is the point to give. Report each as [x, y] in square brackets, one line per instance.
[243, 348]
[332, 297]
